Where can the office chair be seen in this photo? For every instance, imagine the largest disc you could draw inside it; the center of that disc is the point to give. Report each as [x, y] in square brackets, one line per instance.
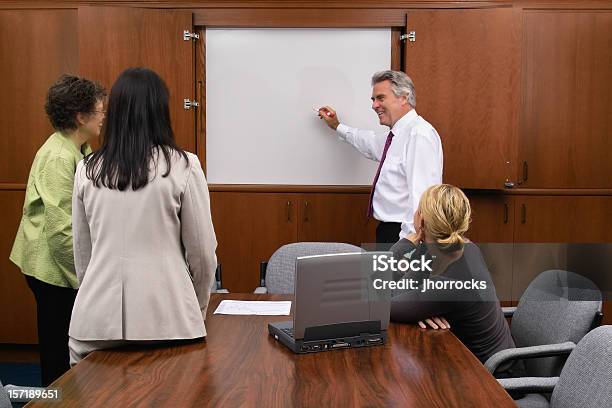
[217, 285]
[278, 274]
[585, 381]
[557, 309]
[5, 402]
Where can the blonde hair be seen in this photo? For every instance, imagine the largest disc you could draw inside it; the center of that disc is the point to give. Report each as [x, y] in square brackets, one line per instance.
[446, 212]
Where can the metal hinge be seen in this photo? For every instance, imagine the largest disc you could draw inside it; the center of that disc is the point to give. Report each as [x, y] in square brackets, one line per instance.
[411, 36]
[188, 104]
[189, 36]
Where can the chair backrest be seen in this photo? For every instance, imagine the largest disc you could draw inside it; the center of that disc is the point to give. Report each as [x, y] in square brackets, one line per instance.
[5, 402]
[280, 273]
[586, 379]
[557, 306]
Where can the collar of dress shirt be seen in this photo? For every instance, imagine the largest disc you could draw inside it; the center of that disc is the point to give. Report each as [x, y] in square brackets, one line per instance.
[404, 121]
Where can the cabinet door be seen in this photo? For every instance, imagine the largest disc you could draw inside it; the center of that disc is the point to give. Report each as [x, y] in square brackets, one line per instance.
[333, 217]
[492, 228]
[563, 232]
[112, 39]
[566, 114]
[464, 64]
[36, 47]
[249, 228]
[18, 317]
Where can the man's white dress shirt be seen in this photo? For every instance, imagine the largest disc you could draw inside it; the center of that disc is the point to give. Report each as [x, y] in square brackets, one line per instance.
[413, 163]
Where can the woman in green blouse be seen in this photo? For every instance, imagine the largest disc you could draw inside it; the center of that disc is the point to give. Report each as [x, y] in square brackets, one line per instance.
[43, 245]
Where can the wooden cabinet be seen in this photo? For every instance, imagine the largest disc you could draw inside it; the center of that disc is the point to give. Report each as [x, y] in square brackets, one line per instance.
[18, 317]
[565, 219]
[250, 226]
[36, 47]
[566, 114]
[465, 64]
[112, 39]
[562, 232]
[492, 228]
[331, 217]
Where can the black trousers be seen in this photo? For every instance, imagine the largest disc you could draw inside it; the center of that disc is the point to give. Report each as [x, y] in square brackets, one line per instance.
[387, 234]
[53, 308]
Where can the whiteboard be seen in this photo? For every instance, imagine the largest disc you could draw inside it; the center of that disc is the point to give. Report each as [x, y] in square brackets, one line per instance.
[261, 87]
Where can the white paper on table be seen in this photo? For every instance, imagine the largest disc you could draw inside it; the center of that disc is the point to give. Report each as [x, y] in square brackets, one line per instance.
[254, 307]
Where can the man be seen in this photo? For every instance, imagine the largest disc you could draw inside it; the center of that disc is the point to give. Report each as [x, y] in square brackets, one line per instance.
[410, 155]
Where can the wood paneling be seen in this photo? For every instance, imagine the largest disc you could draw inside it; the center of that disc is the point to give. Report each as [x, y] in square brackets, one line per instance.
[572, 219]
[548, 231]
[492, 218]
[113, 39]
[566, 116]
[18, 317]
[492, 228]
[240, 364]
[36, 46]
[336, 218]
[249, 228]
[200, 76]
[280, 188]
[299, 18]
[464, 64]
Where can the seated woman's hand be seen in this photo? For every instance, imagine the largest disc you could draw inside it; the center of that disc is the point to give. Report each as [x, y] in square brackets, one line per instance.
[435, 323]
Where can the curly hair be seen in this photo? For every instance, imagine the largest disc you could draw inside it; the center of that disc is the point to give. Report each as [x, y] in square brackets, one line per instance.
[68, 96]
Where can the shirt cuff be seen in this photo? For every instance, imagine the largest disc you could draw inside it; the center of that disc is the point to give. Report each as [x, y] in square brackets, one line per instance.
[407, 229]
[343, 131]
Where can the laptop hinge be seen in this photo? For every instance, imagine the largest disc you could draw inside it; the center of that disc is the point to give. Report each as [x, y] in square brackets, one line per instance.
[339, 330]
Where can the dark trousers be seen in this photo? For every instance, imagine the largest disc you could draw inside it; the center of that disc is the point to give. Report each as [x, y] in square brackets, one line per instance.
[387, 234]
[53, 308]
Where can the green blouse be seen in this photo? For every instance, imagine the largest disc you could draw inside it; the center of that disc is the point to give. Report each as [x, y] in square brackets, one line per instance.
[43, 245]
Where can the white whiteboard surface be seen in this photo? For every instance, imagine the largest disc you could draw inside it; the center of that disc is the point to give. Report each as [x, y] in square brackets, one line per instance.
[261, 87]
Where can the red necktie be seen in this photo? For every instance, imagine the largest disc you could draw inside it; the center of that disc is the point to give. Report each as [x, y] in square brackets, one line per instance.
[382, 160]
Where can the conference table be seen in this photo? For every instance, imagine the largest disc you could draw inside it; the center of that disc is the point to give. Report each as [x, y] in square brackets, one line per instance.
[240, 364]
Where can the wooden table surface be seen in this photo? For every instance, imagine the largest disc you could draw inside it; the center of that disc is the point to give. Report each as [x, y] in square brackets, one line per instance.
[240, 364]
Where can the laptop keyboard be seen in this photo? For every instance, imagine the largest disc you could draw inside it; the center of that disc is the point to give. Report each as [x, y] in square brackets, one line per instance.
[289, 331]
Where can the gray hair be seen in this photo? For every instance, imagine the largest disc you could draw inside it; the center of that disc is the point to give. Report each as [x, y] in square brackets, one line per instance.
[401, 84]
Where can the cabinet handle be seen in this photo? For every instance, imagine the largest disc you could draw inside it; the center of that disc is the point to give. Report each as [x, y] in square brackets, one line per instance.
[505, 213]
[306, 218]
[525, 171]
[523, 213]
[288, 211]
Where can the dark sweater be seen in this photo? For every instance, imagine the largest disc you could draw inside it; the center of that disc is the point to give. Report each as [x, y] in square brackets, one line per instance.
[475, 316]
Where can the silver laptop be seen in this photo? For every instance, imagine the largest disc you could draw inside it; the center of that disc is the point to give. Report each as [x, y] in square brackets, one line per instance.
[335, 304]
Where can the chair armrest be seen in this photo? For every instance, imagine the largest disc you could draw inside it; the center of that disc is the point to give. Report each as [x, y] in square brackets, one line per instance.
[527, 385]
[261, 290]
[544, 350]
[509, 311]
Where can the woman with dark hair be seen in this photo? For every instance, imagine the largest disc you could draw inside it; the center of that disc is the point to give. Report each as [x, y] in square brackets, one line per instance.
[143, 235]
[43, 245]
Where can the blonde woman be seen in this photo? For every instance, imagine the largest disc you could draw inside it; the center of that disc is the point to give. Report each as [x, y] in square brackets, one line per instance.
[459, 286]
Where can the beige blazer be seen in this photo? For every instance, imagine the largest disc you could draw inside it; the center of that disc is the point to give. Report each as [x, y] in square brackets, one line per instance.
[145, 259]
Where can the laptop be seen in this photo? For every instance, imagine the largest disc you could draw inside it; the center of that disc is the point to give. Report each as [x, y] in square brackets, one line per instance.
[335, 304]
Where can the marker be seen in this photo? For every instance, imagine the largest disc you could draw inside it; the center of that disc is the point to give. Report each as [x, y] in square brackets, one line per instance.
[328, 113]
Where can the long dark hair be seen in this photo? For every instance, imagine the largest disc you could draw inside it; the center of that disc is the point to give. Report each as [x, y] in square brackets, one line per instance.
[137, 120]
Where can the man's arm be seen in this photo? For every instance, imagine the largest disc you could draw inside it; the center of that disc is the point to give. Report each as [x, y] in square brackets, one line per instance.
[367, 142]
